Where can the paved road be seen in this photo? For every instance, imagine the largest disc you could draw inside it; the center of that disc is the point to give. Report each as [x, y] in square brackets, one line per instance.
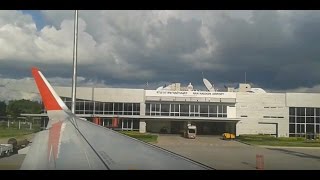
[224, 155]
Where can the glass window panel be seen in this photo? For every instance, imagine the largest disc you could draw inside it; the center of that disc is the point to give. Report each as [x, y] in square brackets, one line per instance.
[203, 108]
[292, 128]
[127, 106]
[172, 108]
[137, 108]
[153, 107]
[213, 115]
[224, 109]
[310, 128]
[101, 106]
[165, 107]
[317, 111]
[212, 108]
[302, 128]
[116, 107]
[130, 123]
[157, 107]
[135, 124]
[291, 119]
[301, 111]
[191, 107]
[147, 109]
[176, 108]
[298, 128]
[108, 107]
[219, 109]
[317, 119]
[310, 111]
[79, 105]
[203, 114]
[184, 108]
[78, 112]
[196, 108]
[292, 111]
[164, 113]
[310, 119]
[300, 119]
[125, 123]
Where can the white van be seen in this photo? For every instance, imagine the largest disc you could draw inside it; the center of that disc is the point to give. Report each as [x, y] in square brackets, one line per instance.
[191, 132]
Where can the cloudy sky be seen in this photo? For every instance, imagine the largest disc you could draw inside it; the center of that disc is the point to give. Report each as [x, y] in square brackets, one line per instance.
[278, 50]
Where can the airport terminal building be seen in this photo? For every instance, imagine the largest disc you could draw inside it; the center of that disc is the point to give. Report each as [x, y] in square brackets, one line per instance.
[244, 110]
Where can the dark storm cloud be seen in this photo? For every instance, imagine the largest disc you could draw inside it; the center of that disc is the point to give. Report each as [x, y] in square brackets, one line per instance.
[277, 50]
[272, 56]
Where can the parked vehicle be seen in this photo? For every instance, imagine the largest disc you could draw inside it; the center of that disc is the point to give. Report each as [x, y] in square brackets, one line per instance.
[190, 132]
[18, 144]
[6, 150]
[228, 136]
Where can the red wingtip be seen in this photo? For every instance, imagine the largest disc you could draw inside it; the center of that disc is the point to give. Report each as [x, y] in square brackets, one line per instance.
[48, 98]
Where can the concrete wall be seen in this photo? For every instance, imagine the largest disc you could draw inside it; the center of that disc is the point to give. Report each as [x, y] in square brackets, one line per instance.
[104, 94]
[231, 112]
[303, 99]
[142, 126]
[252, 107]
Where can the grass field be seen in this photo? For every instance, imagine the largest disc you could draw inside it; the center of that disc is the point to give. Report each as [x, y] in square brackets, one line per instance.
[281, 141]
[150, 138]
[14, 132]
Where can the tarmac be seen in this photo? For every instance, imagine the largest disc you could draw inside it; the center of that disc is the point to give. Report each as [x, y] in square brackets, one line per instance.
[221, 154]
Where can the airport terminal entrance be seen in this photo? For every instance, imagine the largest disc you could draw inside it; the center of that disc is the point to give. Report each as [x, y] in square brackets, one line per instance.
[177, 127]
[205, 128]
[214, 128]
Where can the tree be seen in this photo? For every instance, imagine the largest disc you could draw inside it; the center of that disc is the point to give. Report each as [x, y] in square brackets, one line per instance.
[3, 108]
[17, 107]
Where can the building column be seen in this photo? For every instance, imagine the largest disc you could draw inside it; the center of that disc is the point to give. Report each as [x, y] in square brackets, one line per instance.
[142, 126]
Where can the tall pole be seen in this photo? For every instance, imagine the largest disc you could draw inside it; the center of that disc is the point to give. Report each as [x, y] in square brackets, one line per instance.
[74, 79]
[245, 77]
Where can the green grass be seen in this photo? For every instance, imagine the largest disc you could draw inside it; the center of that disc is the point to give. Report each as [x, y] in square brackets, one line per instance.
[150, 138]
[281, 141]
[14, 132]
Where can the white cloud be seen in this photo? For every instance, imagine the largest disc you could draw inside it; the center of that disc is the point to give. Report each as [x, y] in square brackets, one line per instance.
[25, 88]
[132, 47]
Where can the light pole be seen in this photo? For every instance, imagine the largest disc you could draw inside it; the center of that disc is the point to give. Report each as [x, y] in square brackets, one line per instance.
[74, 79]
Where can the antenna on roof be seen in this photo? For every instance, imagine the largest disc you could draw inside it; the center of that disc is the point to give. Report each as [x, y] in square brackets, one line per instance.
[245, 77]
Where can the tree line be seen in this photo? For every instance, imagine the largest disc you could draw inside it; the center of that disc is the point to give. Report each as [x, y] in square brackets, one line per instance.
[15, 108]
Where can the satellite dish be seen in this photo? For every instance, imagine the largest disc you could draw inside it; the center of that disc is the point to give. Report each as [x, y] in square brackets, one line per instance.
[208, 85]
[159, 88]
[258, 90]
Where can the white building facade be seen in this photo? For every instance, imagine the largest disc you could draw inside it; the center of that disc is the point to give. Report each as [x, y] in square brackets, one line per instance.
[168, 111]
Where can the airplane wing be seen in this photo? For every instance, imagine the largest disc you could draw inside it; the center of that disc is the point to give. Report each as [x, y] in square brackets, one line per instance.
[69, 142]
